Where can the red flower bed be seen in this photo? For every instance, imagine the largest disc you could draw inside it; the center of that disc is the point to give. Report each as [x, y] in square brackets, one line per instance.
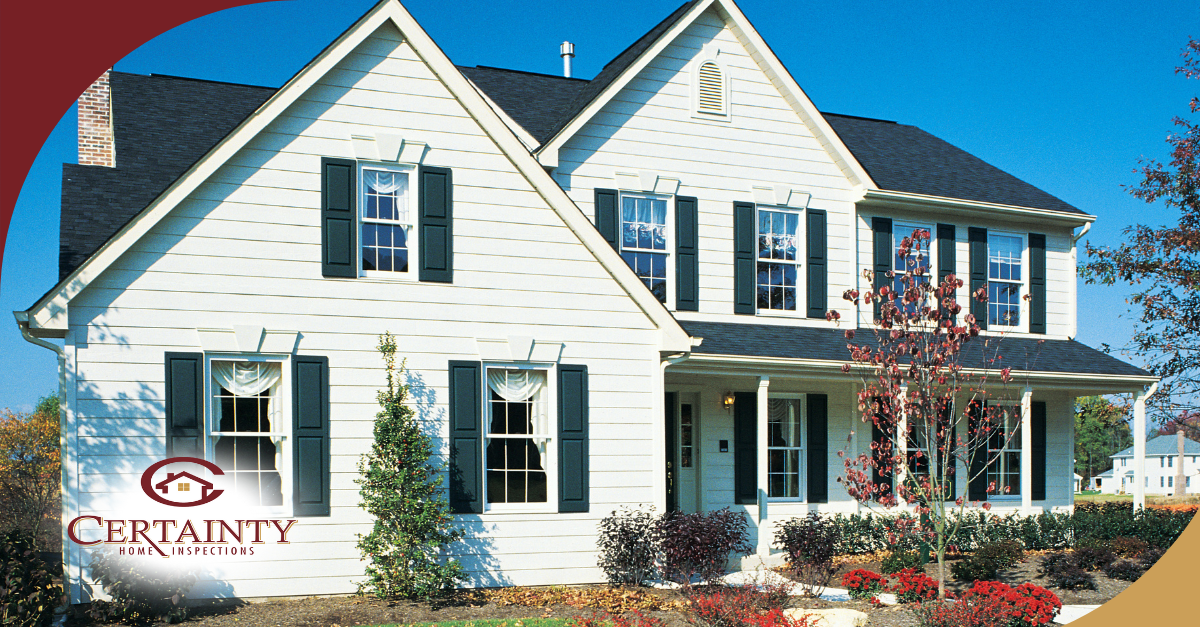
[913, 586]
[998, 604]
[862, 583]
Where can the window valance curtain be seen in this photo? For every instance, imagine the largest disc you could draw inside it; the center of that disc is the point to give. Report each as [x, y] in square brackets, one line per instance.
[517, 386]
[252, 379]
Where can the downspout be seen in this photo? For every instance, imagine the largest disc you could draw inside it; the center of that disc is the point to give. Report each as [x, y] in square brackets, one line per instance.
[23, 324]
[1086, 227]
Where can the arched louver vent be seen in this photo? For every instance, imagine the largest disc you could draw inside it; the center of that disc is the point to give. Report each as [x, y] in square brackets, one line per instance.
[710, 93]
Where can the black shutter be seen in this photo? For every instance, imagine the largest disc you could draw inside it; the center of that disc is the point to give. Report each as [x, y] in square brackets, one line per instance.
[818, 281]
[744, 272]
[310, 436]
[818, 448]
[979, 273]
[572, 438]
[435, 225]
[745, 447]
[687, 254]
[977, 483]
[882, 229]
[607, 216]
[466, 433]
[882, 472]
[185, 404]
[1037, 283]
[672, 471]
[947, 255]
[339, 218]
[1037, 429]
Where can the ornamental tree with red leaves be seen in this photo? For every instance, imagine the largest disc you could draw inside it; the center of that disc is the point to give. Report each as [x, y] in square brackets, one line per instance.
[925, 376]
[1164, 265]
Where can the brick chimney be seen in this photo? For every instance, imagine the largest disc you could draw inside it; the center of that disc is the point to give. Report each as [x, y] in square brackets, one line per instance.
[96, 144]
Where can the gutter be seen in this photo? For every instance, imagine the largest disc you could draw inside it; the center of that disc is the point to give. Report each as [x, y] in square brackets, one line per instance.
[923, 202]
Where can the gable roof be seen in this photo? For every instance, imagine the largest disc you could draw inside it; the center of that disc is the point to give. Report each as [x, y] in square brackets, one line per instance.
[49, 313]
[161, 125]
[905, 158]
[1164, 445]
[825, 344]
[535, 101]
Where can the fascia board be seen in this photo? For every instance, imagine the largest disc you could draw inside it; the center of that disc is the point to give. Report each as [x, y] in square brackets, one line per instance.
[51, 310]
[973, 208]
[782, 79]
[551, 147]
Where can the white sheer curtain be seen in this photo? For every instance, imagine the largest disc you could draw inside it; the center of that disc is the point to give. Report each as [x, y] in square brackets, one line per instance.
[388, 183]
[517, 386]
[250, 379]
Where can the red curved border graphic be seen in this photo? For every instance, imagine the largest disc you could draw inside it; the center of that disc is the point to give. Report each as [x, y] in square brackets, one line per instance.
[148, 478]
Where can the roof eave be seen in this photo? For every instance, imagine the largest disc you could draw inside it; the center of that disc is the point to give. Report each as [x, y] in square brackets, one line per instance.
[957, 206]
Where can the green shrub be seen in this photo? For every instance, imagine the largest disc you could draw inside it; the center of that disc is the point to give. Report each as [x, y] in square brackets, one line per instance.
[627, 546]
[401, 488]
[897, 561]
[142, 591]
[28, 595]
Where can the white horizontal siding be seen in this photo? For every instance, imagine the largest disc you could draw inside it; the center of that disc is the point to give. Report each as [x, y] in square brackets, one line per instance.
[649, 126]
[244, 248]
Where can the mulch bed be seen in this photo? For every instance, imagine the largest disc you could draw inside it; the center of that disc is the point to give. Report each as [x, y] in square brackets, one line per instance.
[518, 603]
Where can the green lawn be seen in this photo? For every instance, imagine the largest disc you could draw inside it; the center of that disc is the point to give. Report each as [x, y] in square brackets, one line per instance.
[495, 622]
[1096, 497]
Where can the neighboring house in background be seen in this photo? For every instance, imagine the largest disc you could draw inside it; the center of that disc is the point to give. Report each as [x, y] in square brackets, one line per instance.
[1162, 464]
[1103, 482]
[1078, 483]
[634, 270]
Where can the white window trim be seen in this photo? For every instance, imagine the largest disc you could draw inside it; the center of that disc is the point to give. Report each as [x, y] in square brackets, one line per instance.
[413, 236]
[802, 469]
[669, 251]
[801, 310]
[711, 56]
[901, 230]
[1023, 304]
[549, 463]
[285, 409]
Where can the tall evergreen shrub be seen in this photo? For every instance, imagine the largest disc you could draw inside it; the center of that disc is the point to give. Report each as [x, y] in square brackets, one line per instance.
[402, 489]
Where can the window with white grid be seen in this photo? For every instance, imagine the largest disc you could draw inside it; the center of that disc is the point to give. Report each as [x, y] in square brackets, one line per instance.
[785, 448]
[645, 240]
[387, 219]
[916, 263]
[1004, 450]
[520, 435]
[1005, 279]
[247, 432]
[779, 252]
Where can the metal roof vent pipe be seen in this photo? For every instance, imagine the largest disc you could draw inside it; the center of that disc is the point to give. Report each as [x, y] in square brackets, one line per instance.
[567, 51]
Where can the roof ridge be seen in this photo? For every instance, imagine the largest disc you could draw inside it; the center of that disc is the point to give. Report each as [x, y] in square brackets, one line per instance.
[201, 80]
[860, 117]
[502, 69]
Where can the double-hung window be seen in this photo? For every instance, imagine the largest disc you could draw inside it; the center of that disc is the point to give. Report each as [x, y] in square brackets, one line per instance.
[645, 240]
[1005, 279]
[916, 263]
[247, 433]
[519, 443]
[387, 203]
[785, 448]
[779, 253]
[1004, 450]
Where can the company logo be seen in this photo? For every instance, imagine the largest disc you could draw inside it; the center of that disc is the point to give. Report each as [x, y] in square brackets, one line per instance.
[188, 489]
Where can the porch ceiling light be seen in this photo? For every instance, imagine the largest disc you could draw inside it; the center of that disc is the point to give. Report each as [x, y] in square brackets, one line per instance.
[727, 399]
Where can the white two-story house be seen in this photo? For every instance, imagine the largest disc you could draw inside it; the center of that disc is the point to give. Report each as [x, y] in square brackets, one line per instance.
[1162, 465]
[608, 292]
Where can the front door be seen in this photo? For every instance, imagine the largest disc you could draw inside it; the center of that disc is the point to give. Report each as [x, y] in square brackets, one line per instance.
[683, 451]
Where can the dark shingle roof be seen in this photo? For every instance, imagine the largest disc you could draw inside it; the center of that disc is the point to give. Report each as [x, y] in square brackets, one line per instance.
[795, 342]
[535, 101]
[163, 125]
[905, 158]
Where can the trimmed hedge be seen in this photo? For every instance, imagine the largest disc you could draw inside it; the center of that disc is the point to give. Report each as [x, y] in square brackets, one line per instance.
[1159, 528]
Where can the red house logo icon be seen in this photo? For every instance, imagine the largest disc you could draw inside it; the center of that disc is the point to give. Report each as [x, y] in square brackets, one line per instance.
[181, 489]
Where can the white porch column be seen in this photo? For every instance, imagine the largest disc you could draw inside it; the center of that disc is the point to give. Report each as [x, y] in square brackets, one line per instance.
[764, 532]
[1139, 446]
[763, 529]
[1026, 451]
[901, 449]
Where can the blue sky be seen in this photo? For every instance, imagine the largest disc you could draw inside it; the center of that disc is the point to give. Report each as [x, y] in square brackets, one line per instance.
[1066, 96]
